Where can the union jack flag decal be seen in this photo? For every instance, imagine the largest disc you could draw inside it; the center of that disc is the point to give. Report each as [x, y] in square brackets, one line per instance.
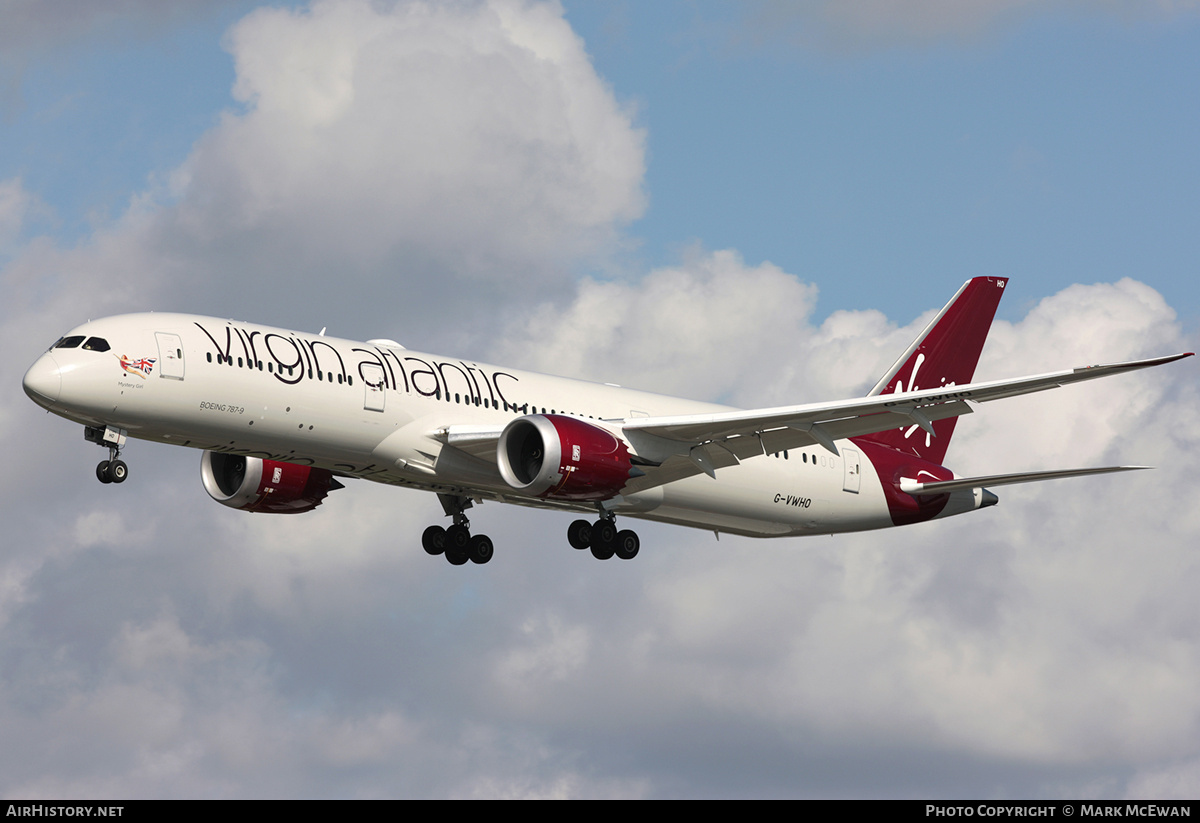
[141, 367]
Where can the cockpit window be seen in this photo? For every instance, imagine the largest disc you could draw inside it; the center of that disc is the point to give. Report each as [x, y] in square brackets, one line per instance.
[96, 344]
[68, 342]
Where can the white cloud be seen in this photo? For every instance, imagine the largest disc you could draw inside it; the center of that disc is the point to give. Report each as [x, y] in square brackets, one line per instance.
[683, 330]
[424, 147]
[413, 149]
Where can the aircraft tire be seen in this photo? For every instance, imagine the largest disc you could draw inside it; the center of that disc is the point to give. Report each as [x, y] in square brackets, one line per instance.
[604, 533]
[628, 544]
[433, 540]
[457, 557]
[604, 539]
[118, 471]
[458, 538]
[102, 472]
[481, 549]
[602, 552]
[579, 534]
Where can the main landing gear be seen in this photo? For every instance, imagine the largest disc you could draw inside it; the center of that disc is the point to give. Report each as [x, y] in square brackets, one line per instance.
[111, 470]
[603, 538]
[456, 542]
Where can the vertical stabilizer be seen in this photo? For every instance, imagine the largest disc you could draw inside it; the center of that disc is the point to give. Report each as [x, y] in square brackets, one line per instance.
[944, 354]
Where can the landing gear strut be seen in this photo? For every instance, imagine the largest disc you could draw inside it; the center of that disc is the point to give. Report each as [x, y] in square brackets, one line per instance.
[603, 538]
[456, 542]
[112, 470]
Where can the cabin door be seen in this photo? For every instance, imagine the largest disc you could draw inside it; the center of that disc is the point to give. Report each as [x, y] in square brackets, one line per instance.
[170, 355]
[850, 484]
[372, 377]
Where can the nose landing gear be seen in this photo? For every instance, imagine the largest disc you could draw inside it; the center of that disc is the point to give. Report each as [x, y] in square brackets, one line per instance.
[112, 470]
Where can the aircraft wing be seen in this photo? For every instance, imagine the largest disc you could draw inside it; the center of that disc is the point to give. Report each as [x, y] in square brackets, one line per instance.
[684, 445]
[671, 448]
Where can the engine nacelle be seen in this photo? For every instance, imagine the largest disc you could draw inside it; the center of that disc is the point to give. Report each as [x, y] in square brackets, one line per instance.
[562, 458]
[256, 485]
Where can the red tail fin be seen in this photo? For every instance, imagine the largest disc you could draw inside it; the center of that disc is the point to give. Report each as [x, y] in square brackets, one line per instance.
[944, 354]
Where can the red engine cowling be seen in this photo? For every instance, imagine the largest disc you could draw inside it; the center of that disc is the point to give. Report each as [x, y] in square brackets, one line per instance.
[256, 485]
[562, 458]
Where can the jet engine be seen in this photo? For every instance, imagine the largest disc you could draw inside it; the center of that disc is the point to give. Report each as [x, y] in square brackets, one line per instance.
[256, 485]
[563, 458]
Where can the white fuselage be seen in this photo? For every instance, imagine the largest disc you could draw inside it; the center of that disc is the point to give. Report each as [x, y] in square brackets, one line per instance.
[375, 410]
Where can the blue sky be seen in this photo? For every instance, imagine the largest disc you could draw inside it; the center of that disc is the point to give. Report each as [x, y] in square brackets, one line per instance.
[664, 195]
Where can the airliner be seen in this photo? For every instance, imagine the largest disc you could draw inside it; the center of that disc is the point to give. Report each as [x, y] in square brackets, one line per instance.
[282, 417]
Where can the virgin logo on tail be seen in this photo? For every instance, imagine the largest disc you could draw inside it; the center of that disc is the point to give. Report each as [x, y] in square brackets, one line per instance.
[912, 386]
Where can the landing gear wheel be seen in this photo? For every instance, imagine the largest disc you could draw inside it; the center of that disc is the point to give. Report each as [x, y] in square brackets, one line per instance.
[102, 472]
[118, 471]
[458, 541]
[458, 538]
[604, 539]
[628, 544]
[433, 540]
[579, 534]
[481, 549]
[602, 552]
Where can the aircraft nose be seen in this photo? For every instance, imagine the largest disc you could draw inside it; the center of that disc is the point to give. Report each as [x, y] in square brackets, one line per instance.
[43, 381]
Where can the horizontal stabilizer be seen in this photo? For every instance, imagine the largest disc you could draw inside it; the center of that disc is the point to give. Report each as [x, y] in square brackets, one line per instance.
[915, 487]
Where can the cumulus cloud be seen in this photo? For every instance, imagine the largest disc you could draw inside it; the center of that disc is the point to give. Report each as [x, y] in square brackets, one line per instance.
[419, 148]
[422, 147]
[712, 327]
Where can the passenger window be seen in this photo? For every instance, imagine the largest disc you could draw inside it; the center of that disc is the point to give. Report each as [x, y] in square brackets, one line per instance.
[96, 344]
[68, 342]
